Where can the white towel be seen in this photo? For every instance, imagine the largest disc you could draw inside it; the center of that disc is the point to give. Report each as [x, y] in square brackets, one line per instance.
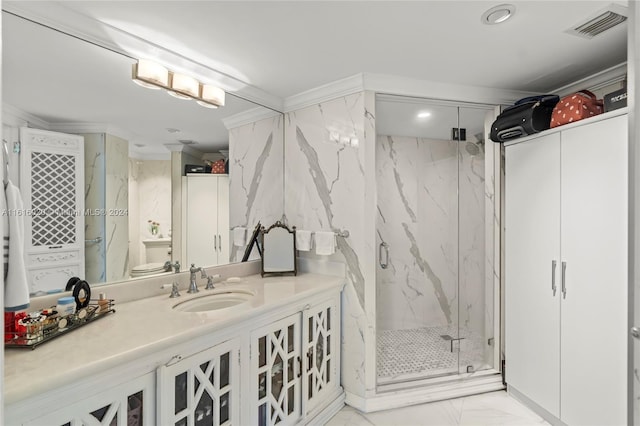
[325, 243]
[303, 240]
[16, 288]
[239, 236]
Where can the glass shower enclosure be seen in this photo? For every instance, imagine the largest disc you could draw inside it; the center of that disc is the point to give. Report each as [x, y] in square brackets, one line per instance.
[436, 295]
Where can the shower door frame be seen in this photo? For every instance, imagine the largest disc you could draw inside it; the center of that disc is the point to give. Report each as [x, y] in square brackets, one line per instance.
[494, 173]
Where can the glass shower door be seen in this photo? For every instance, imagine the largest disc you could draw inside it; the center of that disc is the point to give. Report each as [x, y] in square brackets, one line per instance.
[417, 235]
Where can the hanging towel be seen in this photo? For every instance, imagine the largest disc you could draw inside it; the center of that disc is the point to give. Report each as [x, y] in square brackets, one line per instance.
[303, 240]
[325, 243]
[239, 236]
[16, 287]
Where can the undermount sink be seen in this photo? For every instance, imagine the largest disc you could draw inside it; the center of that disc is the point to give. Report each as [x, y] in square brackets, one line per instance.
[215, 302]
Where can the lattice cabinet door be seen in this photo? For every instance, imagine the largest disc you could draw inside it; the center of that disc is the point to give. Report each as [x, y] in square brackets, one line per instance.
[129, 404]
[320, 348]
[201, 389]
[52, 187]
[276, 369]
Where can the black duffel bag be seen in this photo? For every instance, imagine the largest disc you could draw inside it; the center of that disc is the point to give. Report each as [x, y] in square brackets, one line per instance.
[527, 116]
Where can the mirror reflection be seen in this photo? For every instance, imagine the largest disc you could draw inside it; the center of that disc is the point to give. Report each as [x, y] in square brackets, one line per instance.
[105, 162]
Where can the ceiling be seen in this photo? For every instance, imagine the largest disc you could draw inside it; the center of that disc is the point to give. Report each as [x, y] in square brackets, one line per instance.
[285, 48]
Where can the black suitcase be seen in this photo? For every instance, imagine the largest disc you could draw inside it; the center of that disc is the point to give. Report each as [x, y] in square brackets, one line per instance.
[528, 116]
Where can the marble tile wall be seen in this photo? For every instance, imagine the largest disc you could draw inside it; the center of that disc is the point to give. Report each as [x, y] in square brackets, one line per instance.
[256, 179]
[117, 204]
[150, 199]
[330, 186]
[94, 182]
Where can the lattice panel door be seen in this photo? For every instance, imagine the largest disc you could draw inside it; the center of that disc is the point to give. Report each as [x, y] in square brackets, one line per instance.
[52, 187]
[276, 372]
[319, 347]
[202, 389]
[130, 404]
[53, 196]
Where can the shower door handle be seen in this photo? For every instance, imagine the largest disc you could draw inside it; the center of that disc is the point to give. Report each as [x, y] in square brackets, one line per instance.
[553, 276]
[384, 246]
[564, 281]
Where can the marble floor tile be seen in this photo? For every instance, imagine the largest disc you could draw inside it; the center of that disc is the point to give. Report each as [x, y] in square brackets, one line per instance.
[494, 408]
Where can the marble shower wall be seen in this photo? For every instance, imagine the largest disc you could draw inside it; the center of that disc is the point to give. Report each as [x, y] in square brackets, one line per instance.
[106, 192]
[418, 213]
[256, 179]
[94, 184]
[117, 204]
[149, 199]
[325, 178]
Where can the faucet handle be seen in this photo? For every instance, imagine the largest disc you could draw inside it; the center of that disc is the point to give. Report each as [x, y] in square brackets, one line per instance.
[203, 273]
[210, 279]
[174, 289]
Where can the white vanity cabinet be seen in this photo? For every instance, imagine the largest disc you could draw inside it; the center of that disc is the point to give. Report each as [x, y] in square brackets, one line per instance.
[566, 271]
[273, 361]
[295, 365]
[203, 388]
[131, 403]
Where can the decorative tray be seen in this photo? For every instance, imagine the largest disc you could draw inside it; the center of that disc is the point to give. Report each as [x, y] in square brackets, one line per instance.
[37, 328]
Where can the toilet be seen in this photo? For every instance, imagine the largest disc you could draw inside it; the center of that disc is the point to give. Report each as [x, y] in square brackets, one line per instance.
[158, 251]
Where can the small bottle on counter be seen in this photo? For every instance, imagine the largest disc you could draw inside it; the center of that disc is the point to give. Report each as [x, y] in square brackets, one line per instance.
[103, 303]
[66, 306]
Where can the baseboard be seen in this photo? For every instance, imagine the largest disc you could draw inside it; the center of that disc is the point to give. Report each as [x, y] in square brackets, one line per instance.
[414, 396]
[547, 416]
[323, 416]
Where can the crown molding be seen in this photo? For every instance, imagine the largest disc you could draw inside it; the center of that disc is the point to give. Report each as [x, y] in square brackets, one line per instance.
[249, 116]
[615, 74]
[326, 92]
[15, 117]
[178, 147]
[150, 155]
[63, 19]
[81, 127]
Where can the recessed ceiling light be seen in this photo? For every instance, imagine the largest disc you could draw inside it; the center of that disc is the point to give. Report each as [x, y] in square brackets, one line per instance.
[498, 14]
[424, 114]
[187, 142]
[172, 130]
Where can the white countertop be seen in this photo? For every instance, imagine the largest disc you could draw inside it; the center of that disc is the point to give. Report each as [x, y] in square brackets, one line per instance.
[144, 327]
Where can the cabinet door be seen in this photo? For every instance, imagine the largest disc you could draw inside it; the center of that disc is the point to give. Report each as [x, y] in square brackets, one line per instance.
[320, 348]
[130, 404]
[532, 244]
[202, 219]
[202, 389]
[52, 186]
[594, 247]
[276, 373]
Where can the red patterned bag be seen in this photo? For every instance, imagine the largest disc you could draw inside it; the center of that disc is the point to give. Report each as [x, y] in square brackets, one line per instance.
[574, 107]
[217, 167]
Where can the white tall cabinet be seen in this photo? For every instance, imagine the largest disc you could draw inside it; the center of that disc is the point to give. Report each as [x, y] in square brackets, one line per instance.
[566, 271]
[207, 219]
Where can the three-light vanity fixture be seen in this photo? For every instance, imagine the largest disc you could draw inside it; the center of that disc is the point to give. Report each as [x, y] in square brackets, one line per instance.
[152, 75]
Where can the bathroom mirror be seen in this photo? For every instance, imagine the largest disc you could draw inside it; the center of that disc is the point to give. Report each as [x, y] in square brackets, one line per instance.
[278, 250]
[57, 82]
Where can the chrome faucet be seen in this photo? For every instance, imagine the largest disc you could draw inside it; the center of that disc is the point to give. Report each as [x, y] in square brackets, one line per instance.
[193, 287]
[168, 265]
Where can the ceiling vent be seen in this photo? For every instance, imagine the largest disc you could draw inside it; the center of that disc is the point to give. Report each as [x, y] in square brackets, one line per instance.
[604, 20]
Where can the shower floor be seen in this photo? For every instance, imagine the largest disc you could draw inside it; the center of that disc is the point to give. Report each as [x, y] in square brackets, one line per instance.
[423, 352]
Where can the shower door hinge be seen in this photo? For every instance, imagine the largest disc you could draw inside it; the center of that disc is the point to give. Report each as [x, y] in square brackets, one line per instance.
[16, 147]
[490, 341]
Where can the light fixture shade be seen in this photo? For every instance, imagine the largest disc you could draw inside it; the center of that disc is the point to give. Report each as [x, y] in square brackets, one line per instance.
[184, 87]
[212, 95]
[150, 74]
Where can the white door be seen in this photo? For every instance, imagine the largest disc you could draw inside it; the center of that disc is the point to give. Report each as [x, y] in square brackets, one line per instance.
[202, 220]
[594, 247]
[532, 244]
[52, 187]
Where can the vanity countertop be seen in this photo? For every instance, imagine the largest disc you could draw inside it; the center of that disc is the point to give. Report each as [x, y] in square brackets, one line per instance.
[144, 327]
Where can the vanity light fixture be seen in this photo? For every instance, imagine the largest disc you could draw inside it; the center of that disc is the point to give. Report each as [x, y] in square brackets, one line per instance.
[498, 14]
[149, 74]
